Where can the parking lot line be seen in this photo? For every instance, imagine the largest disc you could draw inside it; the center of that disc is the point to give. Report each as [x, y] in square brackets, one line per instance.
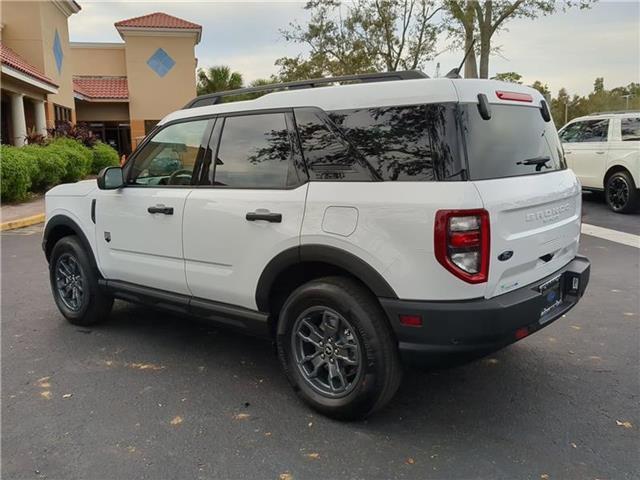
[612, 235]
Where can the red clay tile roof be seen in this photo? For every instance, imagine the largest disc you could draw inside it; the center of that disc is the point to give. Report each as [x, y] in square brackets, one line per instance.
[101, 88]
[158, 20]
[12, 59]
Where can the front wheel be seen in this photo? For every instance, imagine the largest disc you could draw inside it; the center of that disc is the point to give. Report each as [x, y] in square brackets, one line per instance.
[337, 348]
[621, 193]
[74, 284]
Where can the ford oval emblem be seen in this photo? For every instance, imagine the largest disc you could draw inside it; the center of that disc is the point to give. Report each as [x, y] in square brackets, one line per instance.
[504, 256]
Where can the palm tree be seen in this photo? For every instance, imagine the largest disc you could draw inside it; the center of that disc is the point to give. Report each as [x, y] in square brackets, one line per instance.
[218, 79]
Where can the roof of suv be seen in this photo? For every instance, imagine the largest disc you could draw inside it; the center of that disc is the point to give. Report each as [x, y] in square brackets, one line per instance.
[367, 95]
[619, 114]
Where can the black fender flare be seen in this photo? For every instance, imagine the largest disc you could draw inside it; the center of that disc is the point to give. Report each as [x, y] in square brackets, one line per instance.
[63, 220]
[337, 257]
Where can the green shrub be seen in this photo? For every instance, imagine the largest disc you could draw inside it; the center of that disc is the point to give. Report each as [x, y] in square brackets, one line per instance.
[103, 156]
[15, 170]
[48, 166]
[79, 158]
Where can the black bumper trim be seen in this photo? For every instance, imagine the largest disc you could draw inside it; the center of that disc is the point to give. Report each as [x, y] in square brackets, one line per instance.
[483, 324]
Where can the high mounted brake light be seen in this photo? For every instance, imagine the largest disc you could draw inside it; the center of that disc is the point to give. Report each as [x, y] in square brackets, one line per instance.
[461, 241]
[514, 96]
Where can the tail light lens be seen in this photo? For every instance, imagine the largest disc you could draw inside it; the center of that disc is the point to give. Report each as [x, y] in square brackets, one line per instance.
[461, 243]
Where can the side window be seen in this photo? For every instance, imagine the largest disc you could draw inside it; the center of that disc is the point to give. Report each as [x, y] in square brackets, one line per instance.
[594, 131]
[327, 155]
[405, 143]
[255, 152]
[571, 133]
[630, 129]
[170, 156]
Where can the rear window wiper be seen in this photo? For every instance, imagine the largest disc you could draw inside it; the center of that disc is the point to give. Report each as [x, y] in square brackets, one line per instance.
[539, 162]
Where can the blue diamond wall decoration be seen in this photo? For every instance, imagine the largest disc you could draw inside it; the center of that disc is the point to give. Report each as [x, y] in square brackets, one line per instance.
[160, 62]
[57, 51]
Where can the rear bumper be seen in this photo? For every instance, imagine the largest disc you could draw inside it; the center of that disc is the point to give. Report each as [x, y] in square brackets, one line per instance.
[485, 325]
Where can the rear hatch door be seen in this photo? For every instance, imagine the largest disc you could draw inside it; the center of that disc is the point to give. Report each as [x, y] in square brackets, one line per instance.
[516, 163]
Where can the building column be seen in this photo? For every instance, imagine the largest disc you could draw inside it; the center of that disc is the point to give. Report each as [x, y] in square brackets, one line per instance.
[18, 121]
[41, 120]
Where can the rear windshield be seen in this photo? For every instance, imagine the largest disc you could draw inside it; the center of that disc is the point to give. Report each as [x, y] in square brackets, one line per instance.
[514, 141]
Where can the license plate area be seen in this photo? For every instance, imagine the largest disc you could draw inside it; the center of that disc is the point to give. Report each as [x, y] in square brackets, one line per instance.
[551, 293]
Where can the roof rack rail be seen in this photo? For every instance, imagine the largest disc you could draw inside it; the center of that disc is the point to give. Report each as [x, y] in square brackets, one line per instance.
[214, 98]
[614, 112]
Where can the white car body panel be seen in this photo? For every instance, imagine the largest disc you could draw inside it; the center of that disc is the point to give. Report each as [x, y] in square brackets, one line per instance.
[224, 253]
[145, 249]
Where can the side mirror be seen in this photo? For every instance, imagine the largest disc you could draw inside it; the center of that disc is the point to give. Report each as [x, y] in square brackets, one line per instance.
[110, 178]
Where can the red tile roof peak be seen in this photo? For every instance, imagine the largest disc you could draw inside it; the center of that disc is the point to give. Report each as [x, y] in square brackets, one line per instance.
[158, 20]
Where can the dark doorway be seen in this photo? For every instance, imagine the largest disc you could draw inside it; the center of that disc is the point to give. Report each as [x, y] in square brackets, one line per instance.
[115, 134]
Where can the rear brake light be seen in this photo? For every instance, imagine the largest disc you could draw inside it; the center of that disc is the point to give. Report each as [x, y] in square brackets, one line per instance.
[461, 241]
[515, 96]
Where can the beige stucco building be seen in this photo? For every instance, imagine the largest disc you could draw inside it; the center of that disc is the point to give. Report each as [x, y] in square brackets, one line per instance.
[120, 90]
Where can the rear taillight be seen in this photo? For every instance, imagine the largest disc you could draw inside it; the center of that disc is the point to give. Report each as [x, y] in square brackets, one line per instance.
[461, 243]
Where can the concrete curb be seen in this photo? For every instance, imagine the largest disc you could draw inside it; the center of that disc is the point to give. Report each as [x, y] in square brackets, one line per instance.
[22, 222]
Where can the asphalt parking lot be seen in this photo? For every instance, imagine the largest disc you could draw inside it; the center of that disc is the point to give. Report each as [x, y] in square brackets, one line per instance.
[152, 395]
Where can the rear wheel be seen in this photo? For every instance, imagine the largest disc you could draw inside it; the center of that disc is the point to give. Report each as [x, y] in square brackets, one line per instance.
[74, 284]
[621, 193]
[337, 348]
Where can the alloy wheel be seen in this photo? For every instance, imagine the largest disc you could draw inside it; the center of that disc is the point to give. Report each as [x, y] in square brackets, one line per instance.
[618, 193]
[327, 351]
[70, 284]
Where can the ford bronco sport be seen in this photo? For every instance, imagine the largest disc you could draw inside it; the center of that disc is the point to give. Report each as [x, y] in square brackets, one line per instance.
[362, 225]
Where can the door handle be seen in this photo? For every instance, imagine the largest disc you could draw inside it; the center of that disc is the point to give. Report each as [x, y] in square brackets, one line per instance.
[161, 209]
[599, 153]
[264, 215]
[567, 152]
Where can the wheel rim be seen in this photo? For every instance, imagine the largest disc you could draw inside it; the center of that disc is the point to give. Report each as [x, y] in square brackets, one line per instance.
[70, 283]
[618, 193]
[327, 351]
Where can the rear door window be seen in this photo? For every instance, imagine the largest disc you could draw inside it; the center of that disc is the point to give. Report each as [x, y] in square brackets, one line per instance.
[514, 141]
[630, 129]
[327, 154]
[255, 151]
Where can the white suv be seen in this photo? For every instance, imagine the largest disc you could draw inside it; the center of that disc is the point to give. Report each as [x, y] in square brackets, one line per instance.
[356, 225]
[604, 152]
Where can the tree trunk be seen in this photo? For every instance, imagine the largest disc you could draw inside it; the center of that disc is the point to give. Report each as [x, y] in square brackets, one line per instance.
[470, 64]
[485, 38]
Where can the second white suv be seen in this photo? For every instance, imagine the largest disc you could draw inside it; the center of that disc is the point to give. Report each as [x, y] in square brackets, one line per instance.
[357, 225]
[604, 152]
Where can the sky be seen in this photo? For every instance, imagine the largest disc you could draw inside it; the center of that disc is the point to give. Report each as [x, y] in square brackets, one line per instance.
[562, 50]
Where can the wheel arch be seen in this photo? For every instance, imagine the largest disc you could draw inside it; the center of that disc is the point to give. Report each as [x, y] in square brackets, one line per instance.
[295, 266]
[60, 226]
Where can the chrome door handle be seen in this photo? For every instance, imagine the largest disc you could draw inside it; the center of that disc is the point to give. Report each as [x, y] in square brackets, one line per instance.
[161, 209]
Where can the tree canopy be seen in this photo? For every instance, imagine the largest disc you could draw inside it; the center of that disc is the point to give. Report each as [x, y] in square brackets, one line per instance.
[361, 36]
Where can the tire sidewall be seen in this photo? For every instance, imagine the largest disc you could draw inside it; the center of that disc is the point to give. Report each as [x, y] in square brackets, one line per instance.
[70, 245]
[631, 199]
[364, 395]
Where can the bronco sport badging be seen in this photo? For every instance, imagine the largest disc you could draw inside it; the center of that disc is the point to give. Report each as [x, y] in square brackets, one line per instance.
[358, 226]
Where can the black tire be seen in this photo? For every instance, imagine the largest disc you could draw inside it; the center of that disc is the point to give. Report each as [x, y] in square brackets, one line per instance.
[361, 322]
[621, 193]
[91, 305]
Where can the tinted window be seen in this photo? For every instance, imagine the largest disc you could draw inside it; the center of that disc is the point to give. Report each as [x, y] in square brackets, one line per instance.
[327, 155]
[630, 129]
[515, 141]
[571, 133]
[170, 156]
[254, 152]
[409, 143]
[593, 131]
